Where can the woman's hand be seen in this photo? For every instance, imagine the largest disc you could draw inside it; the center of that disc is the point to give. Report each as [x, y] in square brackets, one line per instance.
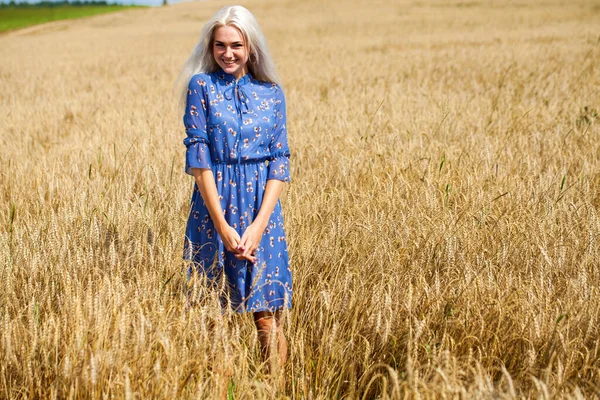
[230, 238]
[250, 241]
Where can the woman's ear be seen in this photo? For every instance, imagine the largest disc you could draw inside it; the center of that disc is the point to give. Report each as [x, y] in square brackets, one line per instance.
[252, 57]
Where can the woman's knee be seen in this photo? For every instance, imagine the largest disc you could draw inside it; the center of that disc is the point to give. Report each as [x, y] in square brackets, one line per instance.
[264, 321]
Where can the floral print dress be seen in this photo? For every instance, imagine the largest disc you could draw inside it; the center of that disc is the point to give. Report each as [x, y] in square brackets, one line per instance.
[238, 129]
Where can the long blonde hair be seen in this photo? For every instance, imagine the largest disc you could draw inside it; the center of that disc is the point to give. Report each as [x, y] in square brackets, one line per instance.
[202, 60]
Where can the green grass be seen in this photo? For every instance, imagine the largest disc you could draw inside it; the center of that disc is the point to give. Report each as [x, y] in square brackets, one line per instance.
[16, 17]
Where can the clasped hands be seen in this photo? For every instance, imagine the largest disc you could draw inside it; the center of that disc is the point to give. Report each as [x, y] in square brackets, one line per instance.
[244, 247]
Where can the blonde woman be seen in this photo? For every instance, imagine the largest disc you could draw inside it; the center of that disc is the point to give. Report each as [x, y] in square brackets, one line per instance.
[237, 152]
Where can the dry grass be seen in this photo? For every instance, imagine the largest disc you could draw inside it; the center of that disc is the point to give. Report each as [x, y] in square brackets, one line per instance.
[443, 218]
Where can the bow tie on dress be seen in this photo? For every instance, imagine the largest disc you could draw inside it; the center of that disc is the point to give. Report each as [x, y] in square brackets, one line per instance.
[240, 97]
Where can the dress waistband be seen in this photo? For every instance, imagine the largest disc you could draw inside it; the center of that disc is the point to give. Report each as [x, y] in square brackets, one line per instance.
[242, 161]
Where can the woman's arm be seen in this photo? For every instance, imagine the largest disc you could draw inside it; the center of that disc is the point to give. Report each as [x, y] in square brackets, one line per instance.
[253, 234]
[205, 180]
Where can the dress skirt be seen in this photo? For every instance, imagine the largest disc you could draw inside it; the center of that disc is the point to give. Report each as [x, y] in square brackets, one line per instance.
[265, 285]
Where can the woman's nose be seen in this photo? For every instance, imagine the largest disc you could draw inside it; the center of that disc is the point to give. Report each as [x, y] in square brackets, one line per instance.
[228, 52]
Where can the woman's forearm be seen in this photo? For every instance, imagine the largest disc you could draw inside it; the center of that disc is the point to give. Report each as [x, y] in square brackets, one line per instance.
[270, 197]
[205, 180]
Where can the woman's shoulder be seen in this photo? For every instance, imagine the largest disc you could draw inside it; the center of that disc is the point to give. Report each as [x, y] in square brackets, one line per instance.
[268, 88]
[201, 79]
[265, 84]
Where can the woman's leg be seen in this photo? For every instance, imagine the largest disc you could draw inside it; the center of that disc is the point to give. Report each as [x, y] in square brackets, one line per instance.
[271, 338]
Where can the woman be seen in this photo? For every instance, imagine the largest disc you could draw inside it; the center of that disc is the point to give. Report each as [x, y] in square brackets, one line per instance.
[237, 151]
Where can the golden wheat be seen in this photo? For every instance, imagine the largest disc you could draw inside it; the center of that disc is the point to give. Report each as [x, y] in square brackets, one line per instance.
[443, 218]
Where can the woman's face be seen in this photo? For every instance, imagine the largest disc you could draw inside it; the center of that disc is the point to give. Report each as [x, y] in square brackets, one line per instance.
[229, 51]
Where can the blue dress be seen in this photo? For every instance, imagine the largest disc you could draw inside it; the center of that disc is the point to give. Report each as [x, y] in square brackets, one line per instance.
[238, 129]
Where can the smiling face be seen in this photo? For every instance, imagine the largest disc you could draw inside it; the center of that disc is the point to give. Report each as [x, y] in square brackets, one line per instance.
[230, 51]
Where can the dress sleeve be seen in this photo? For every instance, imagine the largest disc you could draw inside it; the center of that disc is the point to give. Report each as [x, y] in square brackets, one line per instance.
[194, 120]
[279, 162]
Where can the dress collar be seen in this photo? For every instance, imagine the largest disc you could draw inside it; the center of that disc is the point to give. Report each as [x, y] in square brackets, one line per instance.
[231, 79]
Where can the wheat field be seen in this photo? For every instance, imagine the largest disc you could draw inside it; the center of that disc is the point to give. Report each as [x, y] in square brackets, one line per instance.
[443, 216]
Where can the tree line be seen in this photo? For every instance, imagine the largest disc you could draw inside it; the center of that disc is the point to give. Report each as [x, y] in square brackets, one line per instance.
[59, 3]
